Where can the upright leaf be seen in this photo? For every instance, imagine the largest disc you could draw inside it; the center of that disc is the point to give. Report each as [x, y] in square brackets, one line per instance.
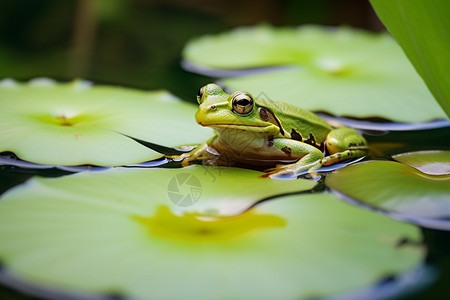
[422, 28]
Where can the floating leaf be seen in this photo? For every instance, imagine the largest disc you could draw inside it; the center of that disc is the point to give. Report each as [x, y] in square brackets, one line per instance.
[401, 190]
[433, 162]
[422, 30]
[342, 71]
[71, 124]
[117, 233]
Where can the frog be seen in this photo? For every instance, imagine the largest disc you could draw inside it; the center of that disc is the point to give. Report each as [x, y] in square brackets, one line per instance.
[262, 132]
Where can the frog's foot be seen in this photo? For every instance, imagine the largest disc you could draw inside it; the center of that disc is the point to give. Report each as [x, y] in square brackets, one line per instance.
[198, 153]
[293, 170]
[187, 158]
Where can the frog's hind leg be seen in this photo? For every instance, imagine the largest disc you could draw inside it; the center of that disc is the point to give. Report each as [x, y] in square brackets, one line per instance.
[344, 143]
[341, 156]
[308, 156]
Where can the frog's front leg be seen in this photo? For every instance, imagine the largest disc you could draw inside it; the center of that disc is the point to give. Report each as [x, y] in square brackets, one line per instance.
[309, 157]
[344, 143]
[199, 153]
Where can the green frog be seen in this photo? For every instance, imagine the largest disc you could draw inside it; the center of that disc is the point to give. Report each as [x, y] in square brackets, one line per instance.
[263, 132]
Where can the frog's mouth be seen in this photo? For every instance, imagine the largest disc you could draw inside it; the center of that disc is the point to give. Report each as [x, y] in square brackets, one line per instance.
[242, 127]
[232, 126]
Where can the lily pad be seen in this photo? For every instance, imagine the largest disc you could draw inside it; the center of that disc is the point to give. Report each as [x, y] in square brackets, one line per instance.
[341, 71]
[76, 123]
[400, 190]
[117, 234]
[433, 162]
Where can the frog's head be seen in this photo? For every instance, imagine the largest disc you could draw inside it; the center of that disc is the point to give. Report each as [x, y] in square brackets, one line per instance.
[234, 111]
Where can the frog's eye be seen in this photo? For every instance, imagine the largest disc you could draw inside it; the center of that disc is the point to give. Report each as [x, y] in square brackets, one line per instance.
[200, 95]
[242, 103]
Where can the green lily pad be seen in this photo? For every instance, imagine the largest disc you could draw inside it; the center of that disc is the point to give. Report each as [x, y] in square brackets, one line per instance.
[74, 123]
[342, 71]
[402, 191]
[433, 162]
[117, 233]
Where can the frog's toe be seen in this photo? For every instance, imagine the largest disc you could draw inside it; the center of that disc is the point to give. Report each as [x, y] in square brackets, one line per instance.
[293, 170]
[278, 171]
[185, 162]
[185, 158]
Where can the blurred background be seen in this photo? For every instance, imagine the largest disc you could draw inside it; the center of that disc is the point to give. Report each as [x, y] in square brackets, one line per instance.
[138, 43]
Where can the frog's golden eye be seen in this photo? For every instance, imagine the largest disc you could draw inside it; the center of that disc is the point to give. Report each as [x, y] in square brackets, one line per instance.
[242, 103]
[200, 95]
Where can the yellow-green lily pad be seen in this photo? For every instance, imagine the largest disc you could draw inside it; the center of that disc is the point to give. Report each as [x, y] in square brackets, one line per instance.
[118, 233]
[400, 190]
[76, 123]
[341, 71]
[433, 162]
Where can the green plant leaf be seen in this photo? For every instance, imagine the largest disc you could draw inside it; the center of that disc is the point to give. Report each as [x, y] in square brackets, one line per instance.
[422, 28]
[117, 233]
[394, 187]
[342, 71]
[74, 123]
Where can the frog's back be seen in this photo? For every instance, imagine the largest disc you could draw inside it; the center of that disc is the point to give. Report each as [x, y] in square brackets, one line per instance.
[300, 120]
